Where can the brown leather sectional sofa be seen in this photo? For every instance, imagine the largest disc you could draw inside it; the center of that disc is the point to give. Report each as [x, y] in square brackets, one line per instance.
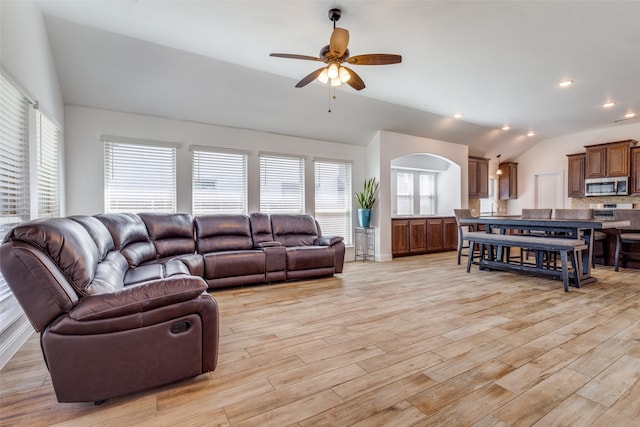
[120, 299]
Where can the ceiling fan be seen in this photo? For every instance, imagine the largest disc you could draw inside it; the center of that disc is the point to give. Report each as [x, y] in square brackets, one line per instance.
[335, 54]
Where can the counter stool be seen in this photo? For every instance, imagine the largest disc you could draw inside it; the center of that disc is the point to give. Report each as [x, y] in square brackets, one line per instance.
[627, 238]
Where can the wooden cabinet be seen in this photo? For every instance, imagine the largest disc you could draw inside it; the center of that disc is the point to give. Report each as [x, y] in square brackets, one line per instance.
[609, 160]
[508, 180]
[575, 174]
[399, 237]
[478, 178]
[634, 184]
[417, 236]
[420, 235]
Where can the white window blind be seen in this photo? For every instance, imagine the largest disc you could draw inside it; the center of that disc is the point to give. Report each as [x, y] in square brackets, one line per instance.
[139, 177]
[219, 182]
[333, 198]
[14, 176]
[427, 194]
[48, 157]
[404, 193]
[281, 184]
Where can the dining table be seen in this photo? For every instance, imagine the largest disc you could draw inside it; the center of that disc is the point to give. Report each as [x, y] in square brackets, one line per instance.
[572, 228]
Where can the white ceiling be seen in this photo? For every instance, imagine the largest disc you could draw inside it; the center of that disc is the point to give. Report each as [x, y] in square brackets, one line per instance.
[496, 62]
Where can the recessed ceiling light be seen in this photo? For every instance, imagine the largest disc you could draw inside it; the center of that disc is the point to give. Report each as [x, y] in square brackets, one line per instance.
[457, 116]
[565, 83]
[531, 133]
[506, 127]
[608, 104]
[630, 115]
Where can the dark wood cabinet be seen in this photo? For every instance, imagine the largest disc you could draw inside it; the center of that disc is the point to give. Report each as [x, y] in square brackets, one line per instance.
[609, 160]
[634, 184]
[420, 235]
[399, 237]
[575, 174]
[478, 178]
[417, 236]
[508, 180]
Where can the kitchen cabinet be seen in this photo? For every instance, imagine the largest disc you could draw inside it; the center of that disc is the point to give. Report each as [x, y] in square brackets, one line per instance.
[421, 235]
[399, 237]
[508, 180]
[609, 160]
[478, 178]
[575, 174]
[634, 184]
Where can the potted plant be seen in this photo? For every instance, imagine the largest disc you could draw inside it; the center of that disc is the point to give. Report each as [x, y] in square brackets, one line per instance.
[366, 200]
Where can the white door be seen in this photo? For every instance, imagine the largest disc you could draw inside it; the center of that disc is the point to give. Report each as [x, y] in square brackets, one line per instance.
[549, 190]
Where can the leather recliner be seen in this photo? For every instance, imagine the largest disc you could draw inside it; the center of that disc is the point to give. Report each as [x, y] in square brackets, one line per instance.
[108, 329]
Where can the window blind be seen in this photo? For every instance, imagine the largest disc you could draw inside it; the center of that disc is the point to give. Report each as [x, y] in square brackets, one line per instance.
[333, 198]
[48, 157]
[14, 173]
[281, 184]
[427, 194]
[139, 177]
[404, 193]
[219, 182]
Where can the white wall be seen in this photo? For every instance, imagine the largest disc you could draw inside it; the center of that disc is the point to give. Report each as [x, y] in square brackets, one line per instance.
[26, 59]
[388, 146]
[85, 154]
[550, 156]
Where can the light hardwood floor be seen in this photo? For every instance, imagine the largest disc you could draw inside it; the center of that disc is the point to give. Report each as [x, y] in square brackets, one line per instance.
[416, 341]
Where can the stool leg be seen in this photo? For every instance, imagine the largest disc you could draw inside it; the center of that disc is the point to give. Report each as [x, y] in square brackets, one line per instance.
[565, 272]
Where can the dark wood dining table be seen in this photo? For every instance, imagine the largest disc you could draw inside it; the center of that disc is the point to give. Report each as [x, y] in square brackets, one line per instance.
[574, 228]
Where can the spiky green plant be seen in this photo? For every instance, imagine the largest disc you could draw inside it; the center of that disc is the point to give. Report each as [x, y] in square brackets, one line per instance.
[367, 198]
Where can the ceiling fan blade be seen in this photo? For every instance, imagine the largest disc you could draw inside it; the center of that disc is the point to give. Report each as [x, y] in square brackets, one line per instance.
[375, 59]
[339, 41]
[293, 56]
[310, 77]
[355, 81]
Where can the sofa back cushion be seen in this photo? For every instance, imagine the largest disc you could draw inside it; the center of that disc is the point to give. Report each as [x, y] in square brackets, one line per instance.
[65, 242]
[130, 237]
[261, 228]
[171, 234]
[216, 233]
[294, 230]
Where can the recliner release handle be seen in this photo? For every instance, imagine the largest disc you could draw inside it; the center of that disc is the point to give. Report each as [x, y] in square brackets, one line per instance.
[180, 327]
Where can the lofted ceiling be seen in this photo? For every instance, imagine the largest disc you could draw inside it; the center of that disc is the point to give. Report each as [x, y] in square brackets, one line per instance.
[496, 62]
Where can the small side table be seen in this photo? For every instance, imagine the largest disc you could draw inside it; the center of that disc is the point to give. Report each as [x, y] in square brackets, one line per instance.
[365, 243]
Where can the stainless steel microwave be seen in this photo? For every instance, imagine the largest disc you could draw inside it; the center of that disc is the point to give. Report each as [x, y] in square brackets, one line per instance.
[618, 186]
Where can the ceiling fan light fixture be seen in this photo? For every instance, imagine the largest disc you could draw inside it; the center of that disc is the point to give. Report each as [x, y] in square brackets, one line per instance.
[335, 82]
[323, 77]
[344, 75]
[333, 72]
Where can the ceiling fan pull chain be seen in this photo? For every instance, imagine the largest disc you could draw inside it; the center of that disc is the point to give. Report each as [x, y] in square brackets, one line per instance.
[329, 98]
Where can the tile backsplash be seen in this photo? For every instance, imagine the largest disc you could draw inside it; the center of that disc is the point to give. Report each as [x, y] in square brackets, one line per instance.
[584, 202]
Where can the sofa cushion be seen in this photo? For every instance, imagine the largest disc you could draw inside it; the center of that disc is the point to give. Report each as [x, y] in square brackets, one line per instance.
[67, 244]
[294, 230]
[171, 234]
[130, 237]
[261, 229]
[309, 257]
[234, 263]
[222, 233]
[154, 271]
[98, 232]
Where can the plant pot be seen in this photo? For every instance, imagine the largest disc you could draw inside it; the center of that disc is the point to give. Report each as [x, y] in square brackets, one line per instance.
[364, 217]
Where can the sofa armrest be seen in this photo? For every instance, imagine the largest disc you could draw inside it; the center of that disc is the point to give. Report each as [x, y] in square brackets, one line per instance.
[138, 299]
[268, 245]
[328, 240]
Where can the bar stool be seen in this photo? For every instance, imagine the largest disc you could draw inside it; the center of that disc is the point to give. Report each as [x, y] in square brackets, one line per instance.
[598, 236]
[628, 237]
[462, 228]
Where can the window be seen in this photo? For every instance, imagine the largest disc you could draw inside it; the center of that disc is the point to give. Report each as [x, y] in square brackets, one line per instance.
[333, 198]
[48, 159]
[139, 177]
[281, 184]
[14, 172]
[415, 192]
[404, 193]
[219, 182]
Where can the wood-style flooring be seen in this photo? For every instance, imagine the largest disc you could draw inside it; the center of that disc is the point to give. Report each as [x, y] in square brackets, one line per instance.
[412, 342]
